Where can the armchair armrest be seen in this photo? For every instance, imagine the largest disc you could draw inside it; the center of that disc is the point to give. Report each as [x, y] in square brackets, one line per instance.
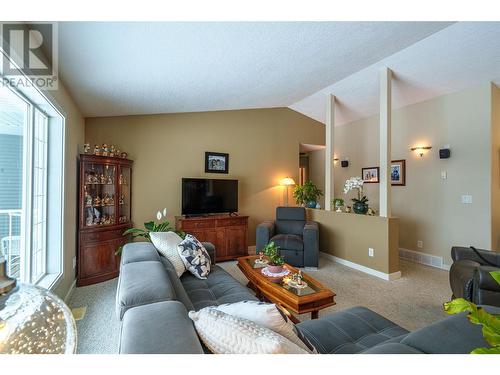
[311, 244]
[265, 231]
[466, 253]
[210, 250]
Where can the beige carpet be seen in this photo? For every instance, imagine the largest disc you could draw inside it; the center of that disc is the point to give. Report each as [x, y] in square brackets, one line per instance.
[413, 301]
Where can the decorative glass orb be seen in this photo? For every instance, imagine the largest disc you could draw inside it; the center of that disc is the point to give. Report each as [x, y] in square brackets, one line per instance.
[33, 320]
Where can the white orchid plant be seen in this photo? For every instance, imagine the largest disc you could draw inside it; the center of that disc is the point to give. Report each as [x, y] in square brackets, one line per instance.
[151, 226]
[355, 183]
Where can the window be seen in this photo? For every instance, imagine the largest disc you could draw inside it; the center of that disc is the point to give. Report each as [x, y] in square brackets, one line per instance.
[24, 139]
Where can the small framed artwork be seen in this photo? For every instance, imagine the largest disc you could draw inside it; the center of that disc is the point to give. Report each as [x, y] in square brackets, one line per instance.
[370, 175]
[216, 162]
[398, 172]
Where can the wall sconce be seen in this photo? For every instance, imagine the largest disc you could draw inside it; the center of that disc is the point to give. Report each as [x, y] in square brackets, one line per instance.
[421, 149]
[287, 182]
[335, 160]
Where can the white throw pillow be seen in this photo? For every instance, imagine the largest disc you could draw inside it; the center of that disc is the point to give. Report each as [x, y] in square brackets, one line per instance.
[166, 244]
[227, 334]
[269, 316]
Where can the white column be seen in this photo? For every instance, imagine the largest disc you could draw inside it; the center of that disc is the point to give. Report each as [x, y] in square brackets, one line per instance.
[329, 125]
[385, 142]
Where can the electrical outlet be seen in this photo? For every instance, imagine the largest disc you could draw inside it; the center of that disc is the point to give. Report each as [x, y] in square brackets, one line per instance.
[371, 252]
[466, 199]
[444, 175]
[420, 244]
[74, 262]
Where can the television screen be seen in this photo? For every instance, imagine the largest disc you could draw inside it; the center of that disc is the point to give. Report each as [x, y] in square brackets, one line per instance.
[209, 196]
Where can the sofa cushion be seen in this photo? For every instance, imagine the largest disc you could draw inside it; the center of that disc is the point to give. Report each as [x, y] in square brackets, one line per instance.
[288, 242]
[139, 252]
[180, 292]
[392, 348]
[289, 226]
[141, 283]
[349, 331]
[453, 335]
[159, 328]
[218, 288]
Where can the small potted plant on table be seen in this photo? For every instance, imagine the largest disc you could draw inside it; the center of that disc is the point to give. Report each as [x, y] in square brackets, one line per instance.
[360, 205]
[307, 194]
[276, 261]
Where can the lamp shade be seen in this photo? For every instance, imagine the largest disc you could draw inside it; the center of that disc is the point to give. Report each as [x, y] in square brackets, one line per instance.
[287, 181]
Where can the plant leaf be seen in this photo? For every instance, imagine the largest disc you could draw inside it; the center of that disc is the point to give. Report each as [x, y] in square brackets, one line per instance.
[458, 305]
[496, 276]
[133, 231]
[494, 350]
[150, 225]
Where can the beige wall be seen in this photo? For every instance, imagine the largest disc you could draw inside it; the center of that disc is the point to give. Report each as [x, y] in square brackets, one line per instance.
[429, 207]
[263, 147]
[74, 138]
[317, 171]
[495, 167]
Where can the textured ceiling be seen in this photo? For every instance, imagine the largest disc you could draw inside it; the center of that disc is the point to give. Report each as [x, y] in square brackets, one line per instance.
[462, 55]
[140, 68]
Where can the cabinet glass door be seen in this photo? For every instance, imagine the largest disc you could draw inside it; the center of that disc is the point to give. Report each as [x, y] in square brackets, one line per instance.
[124, 180]
[99, 194]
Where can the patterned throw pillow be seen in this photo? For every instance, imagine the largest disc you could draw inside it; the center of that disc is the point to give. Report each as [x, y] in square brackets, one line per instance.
[195, 257]
[269, 316]
[166, 244]
[227, 334]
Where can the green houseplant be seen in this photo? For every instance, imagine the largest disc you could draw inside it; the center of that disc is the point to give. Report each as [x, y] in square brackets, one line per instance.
[152, 226]
[276, 260]
[338, 203]
[477, 315]
[307, 194]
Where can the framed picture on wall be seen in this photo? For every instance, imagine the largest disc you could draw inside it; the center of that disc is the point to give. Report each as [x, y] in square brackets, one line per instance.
[398, 172]
[216, 162]
[370, 175]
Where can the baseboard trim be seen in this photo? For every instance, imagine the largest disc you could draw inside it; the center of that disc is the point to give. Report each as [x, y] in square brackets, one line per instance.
[359, 267]
[70, 291]
[423, 258]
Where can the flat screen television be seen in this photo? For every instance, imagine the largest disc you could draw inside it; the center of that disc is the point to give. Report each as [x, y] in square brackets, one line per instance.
[203, 196]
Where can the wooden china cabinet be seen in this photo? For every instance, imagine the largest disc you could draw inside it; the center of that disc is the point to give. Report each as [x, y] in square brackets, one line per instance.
[104, 214]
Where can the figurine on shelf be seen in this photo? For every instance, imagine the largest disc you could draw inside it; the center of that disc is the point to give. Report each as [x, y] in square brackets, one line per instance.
[105, 200]
[121, 180]
[86, 148]
[102, 178]
[88, 199]
[97, 201]
[97, 150]
[109, 180]
[121, 200]
[111, 200]
[112, 151]
[112, 219]
[124, 155]
[299, 278]
[261, 256]
[90, 178]
[97, 216]
[105, 150]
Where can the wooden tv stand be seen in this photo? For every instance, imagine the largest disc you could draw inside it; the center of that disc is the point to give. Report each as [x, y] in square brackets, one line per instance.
[227, 233]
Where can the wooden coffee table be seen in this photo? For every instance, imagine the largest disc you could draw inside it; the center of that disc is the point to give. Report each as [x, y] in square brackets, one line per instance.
[299, 301]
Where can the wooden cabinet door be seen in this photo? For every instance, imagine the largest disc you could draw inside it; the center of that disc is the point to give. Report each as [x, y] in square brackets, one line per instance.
[98, 258]
[236, 241]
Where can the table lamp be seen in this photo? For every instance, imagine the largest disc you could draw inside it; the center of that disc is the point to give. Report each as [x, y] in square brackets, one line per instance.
[287, 182]
[32, 319]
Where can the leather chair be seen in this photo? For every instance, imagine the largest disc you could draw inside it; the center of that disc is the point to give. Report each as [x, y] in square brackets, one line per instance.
[297, 238]
[470, 276]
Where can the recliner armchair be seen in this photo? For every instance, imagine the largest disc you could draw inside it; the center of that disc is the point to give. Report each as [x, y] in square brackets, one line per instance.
[297, 238]
[470, 276]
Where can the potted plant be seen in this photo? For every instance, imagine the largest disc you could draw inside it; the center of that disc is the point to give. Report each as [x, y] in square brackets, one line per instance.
[360, 205]
[276, 261]
[151, 226]
[338, 203]
[307, 194]
[477, 315]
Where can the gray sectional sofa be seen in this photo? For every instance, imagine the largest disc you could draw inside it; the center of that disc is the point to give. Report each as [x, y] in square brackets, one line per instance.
[153, 304]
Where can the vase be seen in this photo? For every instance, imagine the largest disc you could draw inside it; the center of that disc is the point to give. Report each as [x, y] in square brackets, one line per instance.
[275, 269]
[311, 204]
[360, 207]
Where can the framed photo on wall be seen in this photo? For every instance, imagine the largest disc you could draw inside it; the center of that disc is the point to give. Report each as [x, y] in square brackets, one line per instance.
[216, 162]
[370, 175]
[398, 172]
